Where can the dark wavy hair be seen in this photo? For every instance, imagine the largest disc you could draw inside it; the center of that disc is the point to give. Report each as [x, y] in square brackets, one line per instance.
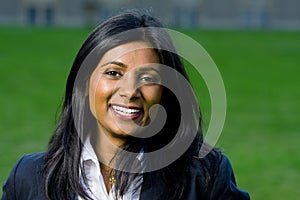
[62, 160]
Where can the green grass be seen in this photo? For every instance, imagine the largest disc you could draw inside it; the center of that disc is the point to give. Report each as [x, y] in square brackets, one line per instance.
[260, 70]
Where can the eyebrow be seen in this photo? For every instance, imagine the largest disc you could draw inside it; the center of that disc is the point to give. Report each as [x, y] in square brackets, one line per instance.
[115, 63]
[148, 68]
[143, 70]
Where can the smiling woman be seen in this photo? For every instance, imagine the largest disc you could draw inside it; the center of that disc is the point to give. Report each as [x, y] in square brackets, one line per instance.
[129, 128]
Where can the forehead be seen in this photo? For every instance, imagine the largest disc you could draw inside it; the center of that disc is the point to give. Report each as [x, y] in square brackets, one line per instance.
[138, 51]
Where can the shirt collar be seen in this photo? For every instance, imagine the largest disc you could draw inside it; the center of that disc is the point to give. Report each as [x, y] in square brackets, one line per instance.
[88, 154]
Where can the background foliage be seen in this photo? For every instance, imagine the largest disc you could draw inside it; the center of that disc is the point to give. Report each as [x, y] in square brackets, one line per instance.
[260, 70]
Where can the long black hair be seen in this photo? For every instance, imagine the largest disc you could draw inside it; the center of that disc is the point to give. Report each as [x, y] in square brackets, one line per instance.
[62, 160]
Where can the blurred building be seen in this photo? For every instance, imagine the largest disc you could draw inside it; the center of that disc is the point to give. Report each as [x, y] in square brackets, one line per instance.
[282, 14]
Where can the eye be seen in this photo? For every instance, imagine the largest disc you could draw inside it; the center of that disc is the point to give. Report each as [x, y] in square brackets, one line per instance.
[113, 74]
[149, 79]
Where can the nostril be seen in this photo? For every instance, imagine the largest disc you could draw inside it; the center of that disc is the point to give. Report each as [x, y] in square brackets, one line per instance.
[130, 95]
[134, 98]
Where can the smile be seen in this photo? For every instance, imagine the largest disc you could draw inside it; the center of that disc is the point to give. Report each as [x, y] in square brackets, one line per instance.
[127, 113]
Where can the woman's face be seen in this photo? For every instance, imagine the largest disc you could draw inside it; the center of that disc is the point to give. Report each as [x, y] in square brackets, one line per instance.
[123, 88]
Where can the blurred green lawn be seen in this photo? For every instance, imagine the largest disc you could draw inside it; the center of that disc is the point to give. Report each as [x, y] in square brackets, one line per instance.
[260, 70]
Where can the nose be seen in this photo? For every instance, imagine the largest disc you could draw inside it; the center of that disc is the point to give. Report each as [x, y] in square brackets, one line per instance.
[128, 88]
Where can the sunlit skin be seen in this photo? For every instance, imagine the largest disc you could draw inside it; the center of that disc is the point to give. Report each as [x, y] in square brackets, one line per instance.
[122, 89]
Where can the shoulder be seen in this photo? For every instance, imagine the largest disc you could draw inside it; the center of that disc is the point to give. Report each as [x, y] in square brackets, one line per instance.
[25, 178]
[30, 162]
[28, 166]
[215, 172]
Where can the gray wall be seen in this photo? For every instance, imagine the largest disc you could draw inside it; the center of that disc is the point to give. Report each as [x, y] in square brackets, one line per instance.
[279, 14]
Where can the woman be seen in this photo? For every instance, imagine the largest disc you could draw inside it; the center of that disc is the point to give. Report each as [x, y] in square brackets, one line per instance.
[124, 102]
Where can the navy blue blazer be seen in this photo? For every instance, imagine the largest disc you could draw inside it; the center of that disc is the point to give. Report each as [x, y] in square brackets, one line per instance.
[25, 182]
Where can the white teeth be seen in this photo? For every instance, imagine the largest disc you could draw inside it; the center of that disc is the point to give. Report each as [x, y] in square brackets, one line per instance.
[125, 111]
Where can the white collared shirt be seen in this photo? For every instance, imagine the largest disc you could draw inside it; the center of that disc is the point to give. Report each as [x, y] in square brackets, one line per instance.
[96, 187]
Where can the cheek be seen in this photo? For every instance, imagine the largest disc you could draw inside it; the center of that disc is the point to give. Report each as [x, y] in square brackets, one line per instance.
[99, 94]
[152, 94]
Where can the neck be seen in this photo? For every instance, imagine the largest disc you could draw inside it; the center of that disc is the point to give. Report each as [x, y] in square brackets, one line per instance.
[106, 147]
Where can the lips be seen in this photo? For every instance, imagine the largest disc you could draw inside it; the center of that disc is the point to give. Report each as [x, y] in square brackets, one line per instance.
[127, 113]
